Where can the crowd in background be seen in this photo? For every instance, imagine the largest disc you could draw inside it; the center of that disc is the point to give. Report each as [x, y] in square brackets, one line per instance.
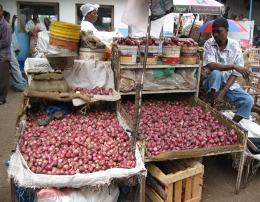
[10, 72]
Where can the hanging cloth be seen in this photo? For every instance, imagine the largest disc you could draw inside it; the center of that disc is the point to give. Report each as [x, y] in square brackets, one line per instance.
[160, 8]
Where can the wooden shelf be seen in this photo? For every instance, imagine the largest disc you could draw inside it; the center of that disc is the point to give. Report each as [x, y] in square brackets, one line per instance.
[161, 91]
[140, 66]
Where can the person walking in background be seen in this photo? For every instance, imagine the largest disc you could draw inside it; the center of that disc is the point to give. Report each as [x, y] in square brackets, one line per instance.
[16, 78]
[32, 27]
[5, 55]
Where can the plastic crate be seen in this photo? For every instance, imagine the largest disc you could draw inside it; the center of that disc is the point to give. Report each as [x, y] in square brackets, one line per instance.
[175, 181]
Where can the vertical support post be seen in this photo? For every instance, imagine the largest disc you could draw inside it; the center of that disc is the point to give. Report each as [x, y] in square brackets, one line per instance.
[142, 189]
[139, 86]
[240, 172]
[12, 190]
[250, 10]
[130, 30]
[179, 24]
[195, 16]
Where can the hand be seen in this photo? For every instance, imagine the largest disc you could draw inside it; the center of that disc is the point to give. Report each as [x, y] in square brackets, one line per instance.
[242, 70]
[219, 97]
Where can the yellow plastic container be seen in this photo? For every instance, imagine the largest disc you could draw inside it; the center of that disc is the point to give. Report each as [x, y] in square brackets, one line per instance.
[66, 25]
[65, 30]
[64, 33]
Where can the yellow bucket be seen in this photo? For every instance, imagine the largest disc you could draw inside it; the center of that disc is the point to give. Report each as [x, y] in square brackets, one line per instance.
[66, 25]
[64, 33]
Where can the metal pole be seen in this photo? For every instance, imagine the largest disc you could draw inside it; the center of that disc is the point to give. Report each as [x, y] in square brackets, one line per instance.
[195, 16]
[139, 85]
[250, 10]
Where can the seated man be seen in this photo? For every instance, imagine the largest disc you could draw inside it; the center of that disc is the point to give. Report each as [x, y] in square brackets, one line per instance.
[223, 60]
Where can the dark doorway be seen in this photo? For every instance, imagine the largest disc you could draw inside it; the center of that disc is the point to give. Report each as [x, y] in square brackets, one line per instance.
[44, 9]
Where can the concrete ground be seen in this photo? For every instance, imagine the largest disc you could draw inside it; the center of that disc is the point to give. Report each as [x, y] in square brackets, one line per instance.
[219, 178]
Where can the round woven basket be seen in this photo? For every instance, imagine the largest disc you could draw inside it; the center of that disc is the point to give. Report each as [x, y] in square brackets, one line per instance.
[189, 50]
[189, 60]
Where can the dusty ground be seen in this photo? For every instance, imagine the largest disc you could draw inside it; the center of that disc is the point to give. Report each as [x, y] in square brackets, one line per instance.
[219, 178]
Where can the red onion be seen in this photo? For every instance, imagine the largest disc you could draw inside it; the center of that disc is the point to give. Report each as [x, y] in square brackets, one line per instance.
[95, 91]
[76, 144]
[170, 126]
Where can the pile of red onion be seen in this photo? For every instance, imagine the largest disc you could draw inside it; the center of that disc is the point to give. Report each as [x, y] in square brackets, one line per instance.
[171, 126]
[76, 144]
[95, 91]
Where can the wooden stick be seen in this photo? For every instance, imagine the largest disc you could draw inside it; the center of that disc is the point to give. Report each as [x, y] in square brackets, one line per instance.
[153, 183]
[66, 97]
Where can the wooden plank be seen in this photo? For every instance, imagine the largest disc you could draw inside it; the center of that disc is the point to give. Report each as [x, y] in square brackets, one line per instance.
[158, 66]
[167, 167]
[183, 174]
[157, 174]
[142, 189]
[193, 153]
[161, 91]
[196, 199]
[169, 191]
[153, 195]
[156, 186]
[198, 82]
[197, 186]
[178, 191]
[180, 165]
[188, 189]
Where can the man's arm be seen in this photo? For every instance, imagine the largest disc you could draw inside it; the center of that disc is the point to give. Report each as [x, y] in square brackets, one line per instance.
[220, 67]
[224, 90]
[216, 66]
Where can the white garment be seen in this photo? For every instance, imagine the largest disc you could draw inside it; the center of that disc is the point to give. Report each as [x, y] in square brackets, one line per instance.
[30, 26]
[42, 44]
[105, 37]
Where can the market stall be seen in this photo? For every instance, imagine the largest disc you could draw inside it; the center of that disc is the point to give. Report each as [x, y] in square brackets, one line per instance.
[135, 82]
[68, 134]
[87, 123]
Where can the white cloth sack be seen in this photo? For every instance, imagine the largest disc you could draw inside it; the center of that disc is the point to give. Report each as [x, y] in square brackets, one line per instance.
[23, 176]
[252, 127]
[90, 74]
[136, 15]
[109, 194]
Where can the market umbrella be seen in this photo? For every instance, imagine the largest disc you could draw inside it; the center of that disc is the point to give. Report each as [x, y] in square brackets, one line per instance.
[234, 26]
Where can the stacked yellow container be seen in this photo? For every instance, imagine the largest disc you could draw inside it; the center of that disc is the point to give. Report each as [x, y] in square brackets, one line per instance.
[65, 35]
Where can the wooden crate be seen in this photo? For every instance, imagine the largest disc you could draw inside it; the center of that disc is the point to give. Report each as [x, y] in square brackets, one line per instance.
[181, 181]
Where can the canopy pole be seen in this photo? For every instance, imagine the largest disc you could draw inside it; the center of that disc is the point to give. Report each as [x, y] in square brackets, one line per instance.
[250, 10]
[178, 26]
[195, 16]
[139, 85]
